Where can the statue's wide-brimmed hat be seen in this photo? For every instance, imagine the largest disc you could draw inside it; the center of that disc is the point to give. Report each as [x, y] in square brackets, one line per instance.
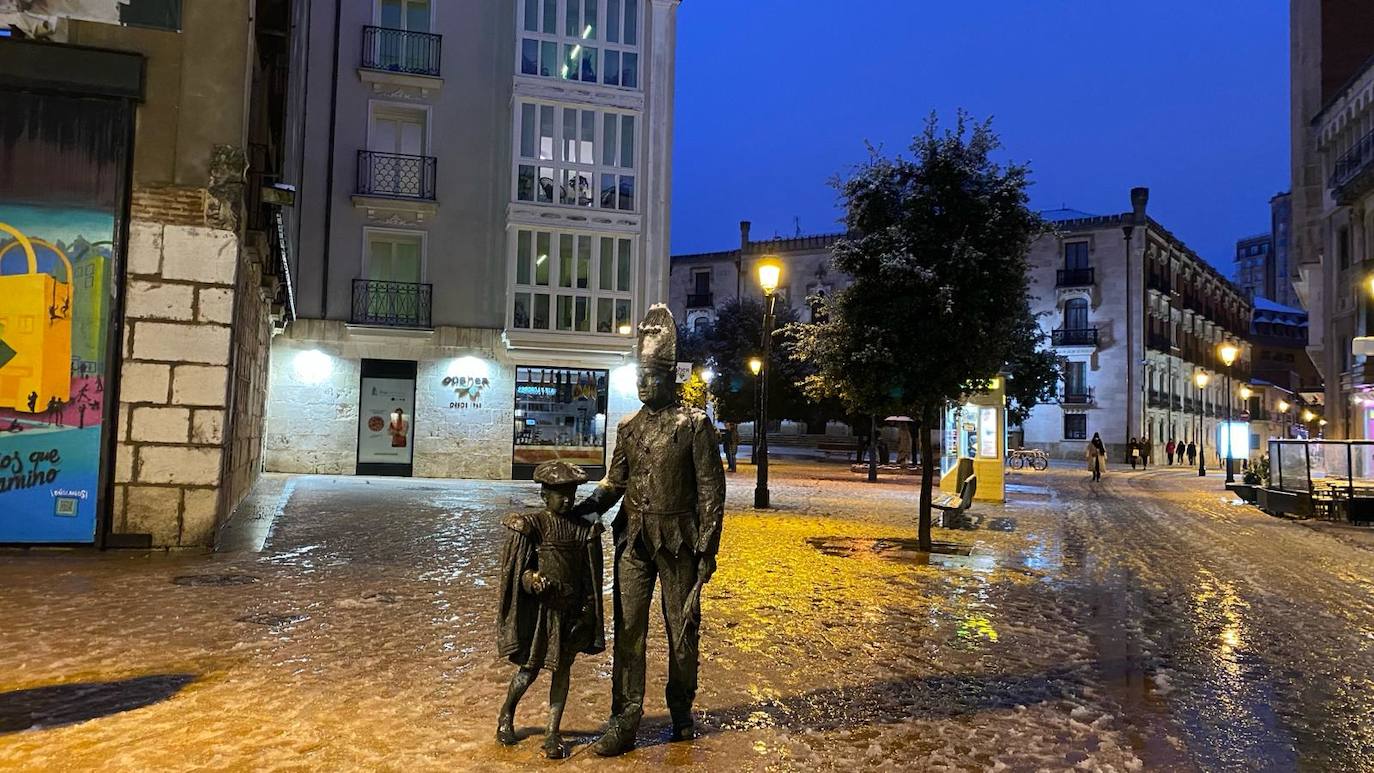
[657, 347]
[560, 473]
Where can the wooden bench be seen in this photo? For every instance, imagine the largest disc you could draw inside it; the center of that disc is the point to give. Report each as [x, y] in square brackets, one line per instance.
[952, 507]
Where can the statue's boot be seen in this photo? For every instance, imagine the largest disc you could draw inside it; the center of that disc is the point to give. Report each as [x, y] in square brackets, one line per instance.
[684, 729]
[618, 739]
[554, 748]
[505, 730]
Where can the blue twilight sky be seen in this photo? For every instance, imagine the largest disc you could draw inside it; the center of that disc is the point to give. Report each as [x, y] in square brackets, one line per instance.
[1190, 98]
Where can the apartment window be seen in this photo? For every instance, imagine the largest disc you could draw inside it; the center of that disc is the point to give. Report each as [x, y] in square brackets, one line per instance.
[1076, 314]
[572, 282]
[1343, 247]
[409, 15]
[1076, 255]
[1075, 426]
[575, 157]
[592, 41]
[1076, 378]
[395, 256]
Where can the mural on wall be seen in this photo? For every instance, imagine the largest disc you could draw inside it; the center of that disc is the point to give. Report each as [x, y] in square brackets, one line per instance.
[57, 280]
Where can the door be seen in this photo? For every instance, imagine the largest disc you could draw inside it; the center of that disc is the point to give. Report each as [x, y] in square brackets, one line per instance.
[395, 273]
[386, 418]
[397, 50]
[397, 142]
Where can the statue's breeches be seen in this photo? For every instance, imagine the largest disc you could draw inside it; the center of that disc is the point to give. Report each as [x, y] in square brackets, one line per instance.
[636, 568]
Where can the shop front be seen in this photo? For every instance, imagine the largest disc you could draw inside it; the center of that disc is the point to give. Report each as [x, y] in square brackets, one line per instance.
[342, 402]
[560, 413]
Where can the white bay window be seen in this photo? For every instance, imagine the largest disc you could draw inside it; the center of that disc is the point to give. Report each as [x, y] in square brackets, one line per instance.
[591, 41]
[575, 156]
[572, 282]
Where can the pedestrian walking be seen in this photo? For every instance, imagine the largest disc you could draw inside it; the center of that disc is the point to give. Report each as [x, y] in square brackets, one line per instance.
[1096, 456]
[1133, 452]
[1147, 447]
[731, 444]
[1192, 452]
[1169, 450]
[904, 444]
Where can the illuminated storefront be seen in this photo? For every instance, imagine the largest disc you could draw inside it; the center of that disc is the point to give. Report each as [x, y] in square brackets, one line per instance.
[560, 413]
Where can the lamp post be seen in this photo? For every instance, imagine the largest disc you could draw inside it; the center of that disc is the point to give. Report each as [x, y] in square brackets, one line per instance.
[1228, 352]
[1283, 407]
[770, 272]
[1127, 231]
[1201, 380]
[755, 367]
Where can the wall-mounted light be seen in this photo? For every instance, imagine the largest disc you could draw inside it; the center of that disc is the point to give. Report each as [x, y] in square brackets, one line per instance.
[469, 367]
[625, 379]
[313, 366]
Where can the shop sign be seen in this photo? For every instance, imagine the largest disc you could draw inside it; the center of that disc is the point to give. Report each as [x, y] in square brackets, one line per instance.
[467, 391]
[684, 372]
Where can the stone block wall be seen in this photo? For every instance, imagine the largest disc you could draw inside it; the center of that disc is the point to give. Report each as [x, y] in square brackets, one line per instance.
[174, 381]
[252, 343]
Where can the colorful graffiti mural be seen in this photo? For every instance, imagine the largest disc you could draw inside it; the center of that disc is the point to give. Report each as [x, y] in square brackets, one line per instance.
[54, 330]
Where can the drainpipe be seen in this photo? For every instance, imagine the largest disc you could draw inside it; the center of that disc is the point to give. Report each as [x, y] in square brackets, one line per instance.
[329, 176]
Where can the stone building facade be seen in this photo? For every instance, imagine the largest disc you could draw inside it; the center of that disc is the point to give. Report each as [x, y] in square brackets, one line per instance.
[701, 283]
[1333, 198]
[493, 196]
[1132, 321]
[195, 286]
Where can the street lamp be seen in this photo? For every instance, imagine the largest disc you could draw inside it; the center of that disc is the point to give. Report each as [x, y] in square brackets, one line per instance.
[770, 273]
[1201, 380]
[1228, 353]
[755, 367]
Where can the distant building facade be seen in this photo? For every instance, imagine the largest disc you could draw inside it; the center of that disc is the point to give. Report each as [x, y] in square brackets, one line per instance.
[1132, 323]
[699, 284]
[1279, 274]
[1254, 264]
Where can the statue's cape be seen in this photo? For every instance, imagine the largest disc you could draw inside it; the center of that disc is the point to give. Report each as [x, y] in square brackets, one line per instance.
[518, 611]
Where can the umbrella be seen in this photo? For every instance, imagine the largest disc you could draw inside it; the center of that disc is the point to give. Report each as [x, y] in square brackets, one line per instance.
[900, 418]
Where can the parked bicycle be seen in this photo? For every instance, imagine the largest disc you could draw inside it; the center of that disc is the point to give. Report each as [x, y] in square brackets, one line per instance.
[1033, 458]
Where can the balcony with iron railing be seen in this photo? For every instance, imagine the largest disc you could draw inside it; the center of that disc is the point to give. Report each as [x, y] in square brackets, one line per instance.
[699, 300]
[1353, 166]
[402, 51]
[1075, 277]
[392, 304]
[396, 175]
[1159, 282]
[1074, 337]
[1076, 395]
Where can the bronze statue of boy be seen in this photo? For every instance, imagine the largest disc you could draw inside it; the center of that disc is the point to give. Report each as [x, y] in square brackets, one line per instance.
[550, 606]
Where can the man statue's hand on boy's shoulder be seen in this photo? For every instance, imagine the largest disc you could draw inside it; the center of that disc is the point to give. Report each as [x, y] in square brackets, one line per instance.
[535, 582]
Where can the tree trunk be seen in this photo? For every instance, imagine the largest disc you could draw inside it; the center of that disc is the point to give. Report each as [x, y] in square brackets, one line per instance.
[927, 477]
[872, 449]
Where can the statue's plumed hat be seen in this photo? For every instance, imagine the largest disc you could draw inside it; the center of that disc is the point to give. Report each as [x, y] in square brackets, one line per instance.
[560, 473]
[658, 339]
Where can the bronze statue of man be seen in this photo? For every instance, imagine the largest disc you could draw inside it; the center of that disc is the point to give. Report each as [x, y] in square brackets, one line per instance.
[667, 467]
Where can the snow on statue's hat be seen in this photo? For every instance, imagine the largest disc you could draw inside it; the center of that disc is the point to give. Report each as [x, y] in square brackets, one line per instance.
[657, 347]
[560, 473]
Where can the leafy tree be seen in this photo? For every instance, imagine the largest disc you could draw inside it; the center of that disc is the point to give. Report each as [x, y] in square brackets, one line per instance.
[695, 390]
[728, 344]
[936, 249]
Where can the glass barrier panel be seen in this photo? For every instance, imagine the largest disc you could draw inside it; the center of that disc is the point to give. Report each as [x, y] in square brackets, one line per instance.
[1293, 466]
[1362, 455]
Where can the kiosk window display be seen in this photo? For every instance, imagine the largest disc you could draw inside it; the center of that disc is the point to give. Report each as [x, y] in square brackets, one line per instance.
[560, 413]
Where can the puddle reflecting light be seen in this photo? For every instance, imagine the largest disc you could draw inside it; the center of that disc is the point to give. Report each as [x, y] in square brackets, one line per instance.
[313, 366]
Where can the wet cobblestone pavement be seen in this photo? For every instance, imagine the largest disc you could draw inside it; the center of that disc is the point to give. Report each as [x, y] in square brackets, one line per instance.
[1143, 623]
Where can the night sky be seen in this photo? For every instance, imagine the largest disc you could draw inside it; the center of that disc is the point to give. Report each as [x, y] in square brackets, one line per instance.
[776, 97]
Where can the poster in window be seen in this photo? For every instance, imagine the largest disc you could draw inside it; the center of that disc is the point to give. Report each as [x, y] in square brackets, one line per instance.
[58, 292]
[987, 433]
[386, 421]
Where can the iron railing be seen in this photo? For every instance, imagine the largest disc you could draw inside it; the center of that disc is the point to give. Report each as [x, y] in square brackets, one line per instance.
[396, 175]
[1074, 337]
[415, 53]
[699, 300]
[391, 304]
[1074, 277]
[1076, 396]
[1353, 162]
